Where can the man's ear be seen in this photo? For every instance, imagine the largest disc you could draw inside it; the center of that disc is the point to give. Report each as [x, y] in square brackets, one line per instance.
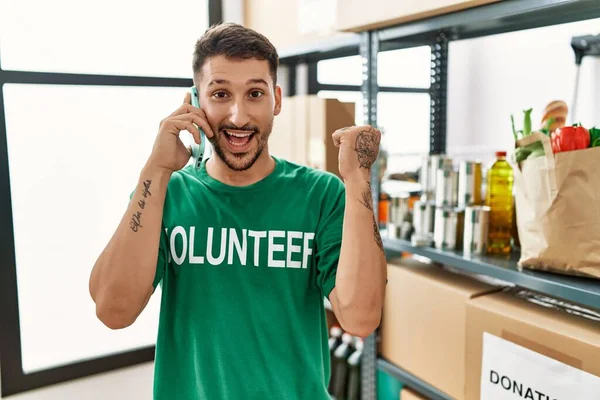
[278, 96]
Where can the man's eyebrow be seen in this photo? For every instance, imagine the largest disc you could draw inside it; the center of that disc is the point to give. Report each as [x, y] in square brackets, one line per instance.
[218, 82]
[257, 81]
[254, 81]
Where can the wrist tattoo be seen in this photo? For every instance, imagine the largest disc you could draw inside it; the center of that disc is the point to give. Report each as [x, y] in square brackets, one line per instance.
[367, 142]
[367, 199]
[136, 220]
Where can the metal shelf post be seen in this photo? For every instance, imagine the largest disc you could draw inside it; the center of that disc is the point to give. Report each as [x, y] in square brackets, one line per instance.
[369, 49]
[439, 94]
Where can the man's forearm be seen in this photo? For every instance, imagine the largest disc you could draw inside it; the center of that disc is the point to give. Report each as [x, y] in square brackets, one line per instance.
[362, 273]
[121, 280]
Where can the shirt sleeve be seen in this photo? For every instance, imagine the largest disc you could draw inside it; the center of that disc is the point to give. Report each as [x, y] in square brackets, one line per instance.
[328, 238]
[163, 258]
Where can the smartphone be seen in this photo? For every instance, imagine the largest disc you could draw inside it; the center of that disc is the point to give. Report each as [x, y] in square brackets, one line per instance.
[197, 150]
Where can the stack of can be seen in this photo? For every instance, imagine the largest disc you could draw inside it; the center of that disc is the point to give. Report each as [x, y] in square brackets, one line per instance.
[448, 217]
[476, 230]
[424, 209]
[449, 214]
[399, 226]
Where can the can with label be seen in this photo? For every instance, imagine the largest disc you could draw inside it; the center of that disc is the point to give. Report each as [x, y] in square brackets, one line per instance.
[393, 231]
[446, 194]
[399, 209]
[445, 230]
[436, 162]
[469, 184]
[423, 217]
[476, 230]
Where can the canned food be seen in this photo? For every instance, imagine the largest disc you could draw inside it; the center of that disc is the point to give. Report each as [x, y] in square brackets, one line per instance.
[446, 228]
[394, 231]
[423, 218]
[476, 229]
[424, 178]
[446, 194]
[436, 162]
[399, 209]
[469, 183]
[400, 231]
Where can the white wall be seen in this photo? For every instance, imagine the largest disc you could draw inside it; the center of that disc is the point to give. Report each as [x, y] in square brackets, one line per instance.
[132, 383]
[492, 77]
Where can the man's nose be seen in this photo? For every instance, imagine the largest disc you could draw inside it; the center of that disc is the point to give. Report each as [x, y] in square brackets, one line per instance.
[239, 114]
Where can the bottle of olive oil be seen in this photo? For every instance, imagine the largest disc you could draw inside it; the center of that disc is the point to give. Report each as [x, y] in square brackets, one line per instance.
[499, 197]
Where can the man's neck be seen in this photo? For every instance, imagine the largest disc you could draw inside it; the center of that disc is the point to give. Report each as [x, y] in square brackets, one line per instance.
[217, 169]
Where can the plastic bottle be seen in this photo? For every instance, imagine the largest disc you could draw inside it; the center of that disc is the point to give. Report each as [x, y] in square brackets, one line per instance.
[384, 207]
[499, 197]
[354, 388]
[340, 358]
[335, 339]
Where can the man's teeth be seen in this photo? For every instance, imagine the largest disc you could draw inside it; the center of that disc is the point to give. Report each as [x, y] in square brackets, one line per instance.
[240, 135]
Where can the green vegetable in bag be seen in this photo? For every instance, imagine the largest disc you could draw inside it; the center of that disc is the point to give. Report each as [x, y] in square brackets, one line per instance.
[527, 122]
[537, 150]
[594, 137]
[534, 149]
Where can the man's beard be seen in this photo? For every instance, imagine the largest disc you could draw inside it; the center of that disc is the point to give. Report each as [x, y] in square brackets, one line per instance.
[241, 161]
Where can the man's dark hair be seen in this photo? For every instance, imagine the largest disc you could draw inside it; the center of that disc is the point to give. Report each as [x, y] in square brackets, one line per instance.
[235, 42]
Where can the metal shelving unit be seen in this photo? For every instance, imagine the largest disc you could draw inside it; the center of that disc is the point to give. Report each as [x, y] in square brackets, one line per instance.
[584, 291]
[500, 17]
[438, 32]
[412, 381]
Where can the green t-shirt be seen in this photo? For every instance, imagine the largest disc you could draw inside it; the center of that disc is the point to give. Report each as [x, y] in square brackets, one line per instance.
[244, 271]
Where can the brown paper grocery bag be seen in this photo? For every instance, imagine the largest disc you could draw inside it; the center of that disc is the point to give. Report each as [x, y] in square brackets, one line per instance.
[558, 209]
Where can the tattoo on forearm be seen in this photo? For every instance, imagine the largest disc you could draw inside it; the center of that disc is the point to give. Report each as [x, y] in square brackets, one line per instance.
[366, 146]
[136, 220]
[377, 235]
[146, 191]
[367, 199]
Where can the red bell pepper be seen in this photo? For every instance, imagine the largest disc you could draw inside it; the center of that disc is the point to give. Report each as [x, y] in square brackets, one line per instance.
[570, 138]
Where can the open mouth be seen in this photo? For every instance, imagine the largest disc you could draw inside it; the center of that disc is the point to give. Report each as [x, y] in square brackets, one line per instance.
[239, 138]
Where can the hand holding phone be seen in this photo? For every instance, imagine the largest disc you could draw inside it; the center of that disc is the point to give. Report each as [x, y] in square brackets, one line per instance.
[197, 149]
[169, 151]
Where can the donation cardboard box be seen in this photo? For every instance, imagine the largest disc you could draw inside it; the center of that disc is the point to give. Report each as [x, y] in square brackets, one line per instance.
[520, 350]
[423, 327]
[407, 394]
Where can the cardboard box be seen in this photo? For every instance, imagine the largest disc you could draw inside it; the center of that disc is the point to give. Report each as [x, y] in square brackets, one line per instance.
[355, 17]
[298, 23]
[282, 135]
[325, 117]
[530, 349]
[407, 394]
[424, 322]
[302, 131]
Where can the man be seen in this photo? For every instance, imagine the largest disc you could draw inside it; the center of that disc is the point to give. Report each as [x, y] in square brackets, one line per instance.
[247, 246]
